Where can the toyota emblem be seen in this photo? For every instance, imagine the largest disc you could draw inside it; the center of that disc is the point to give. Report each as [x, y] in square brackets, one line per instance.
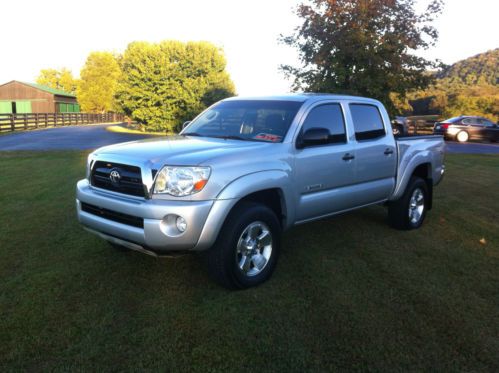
[115, 176]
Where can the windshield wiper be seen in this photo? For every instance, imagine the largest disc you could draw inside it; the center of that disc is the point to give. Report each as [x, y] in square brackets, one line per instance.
[233, 137]
[192, 134]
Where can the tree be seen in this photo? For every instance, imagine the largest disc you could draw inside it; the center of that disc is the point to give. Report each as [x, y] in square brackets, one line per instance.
[170, 82]
[58, 79]
[363, 47]
[98, 82]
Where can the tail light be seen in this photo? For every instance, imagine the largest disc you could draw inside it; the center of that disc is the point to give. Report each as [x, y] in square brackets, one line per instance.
[444, 126]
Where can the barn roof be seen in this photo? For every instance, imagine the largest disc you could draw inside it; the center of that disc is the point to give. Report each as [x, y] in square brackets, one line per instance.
[54, 91]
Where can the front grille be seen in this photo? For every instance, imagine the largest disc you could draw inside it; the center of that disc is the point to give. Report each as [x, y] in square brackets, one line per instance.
[130, 180]
[118, 217]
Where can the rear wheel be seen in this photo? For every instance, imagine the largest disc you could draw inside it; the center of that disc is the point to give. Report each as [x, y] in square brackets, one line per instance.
[246, 251]
[462, 136]
[409, 211]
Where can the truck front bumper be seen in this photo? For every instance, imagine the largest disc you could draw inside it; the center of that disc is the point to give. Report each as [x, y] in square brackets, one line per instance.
[149, 225]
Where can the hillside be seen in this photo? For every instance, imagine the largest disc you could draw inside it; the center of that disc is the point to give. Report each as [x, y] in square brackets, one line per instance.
[468, 87]
[480, 69]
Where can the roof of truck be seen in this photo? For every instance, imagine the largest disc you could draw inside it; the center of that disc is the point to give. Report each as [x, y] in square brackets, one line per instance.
[302, 97]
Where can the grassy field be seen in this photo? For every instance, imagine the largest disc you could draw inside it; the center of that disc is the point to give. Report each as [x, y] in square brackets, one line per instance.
[349, 293]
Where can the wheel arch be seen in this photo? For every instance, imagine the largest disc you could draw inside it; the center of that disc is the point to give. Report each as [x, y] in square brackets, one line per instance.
[424, 170]
[270, 188]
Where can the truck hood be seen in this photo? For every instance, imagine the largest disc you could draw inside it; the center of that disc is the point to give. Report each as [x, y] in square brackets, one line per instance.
[178, 150]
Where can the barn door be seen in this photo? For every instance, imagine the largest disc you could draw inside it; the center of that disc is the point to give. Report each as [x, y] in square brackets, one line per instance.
[23, 107]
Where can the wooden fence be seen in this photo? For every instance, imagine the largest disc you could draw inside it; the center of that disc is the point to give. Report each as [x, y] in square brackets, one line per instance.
[21, 122]
[421, 125]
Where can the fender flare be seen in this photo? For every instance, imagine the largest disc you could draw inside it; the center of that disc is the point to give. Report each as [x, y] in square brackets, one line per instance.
[406, 176]
[237, 190]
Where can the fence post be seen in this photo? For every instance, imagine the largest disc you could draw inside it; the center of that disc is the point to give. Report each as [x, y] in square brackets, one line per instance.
[12, 122]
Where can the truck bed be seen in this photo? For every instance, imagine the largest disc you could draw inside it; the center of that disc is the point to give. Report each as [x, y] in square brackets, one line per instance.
[412, 150]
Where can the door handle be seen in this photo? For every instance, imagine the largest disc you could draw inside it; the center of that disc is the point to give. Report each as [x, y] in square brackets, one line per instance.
[348, 157]
[388, 151]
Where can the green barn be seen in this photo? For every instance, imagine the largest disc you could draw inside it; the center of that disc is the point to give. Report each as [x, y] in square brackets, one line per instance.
[20, 97]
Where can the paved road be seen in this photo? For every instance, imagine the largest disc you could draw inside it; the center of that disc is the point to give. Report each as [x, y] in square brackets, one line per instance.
[95, 136]
[65, 138]
[472, 148]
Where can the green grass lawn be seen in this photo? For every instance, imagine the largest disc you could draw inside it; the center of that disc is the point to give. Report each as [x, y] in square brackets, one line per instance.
[349, 293]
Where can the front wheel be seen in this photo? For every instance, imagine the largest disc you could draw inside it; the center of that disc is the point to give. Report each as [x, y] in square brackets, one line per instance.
[246, 251]
[409, 211]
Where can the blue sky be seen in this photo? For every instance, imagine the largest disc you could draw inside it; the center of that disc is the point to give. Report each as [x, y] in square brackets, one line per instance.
[54, 34]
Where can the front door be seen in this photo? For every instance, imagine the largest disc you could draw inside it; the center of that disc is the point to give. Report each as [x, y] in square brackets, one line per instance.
[324, 173]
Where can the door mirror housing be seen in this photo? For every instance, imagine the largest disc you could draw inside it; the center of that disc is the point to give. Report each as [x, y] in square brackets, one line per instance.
[185, 124]
[313, 136]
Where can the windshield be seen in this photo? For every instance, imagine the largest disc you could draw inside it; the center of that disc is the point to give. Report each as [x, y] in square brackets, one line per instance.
[250, 120]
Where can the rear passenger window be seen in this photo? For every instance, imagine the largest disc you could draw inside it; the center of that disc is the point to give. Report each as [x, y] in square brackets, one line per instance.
[367, 122]
[327, 116]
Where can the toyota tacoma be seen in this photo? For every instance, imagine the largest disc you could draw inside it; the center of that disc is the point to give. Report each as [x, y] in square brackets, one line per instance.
[246, 169]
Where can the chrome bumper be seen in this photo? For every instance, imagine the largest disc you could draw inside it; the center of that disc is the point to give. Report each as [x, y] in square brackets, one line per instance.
[156, 236]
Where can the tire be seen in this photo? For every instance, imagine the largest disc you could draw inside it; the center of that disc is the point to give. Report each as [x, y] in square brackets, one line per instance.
[409, 211]
[235, 265]
[462, 136]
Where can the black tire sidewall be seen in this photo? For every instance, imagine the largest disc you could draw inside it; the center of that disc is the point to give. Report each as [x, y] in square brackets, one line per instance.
[398, 211]
[237, 221]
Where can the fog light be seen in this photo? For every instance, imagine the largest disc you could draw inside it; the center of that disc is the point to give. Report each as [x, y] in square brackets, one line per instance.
[181, 224]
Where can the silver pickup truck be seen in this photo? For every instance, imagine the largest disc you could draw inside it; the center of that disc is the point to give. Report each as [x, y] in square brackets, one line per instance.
[247, 169]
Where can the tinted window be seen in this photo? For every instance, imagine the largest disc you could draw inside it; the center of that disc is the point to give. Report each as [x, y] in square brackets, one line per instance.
[367, 121]
[487, 123]
[327, 116]
[251, 120]
[470, 121]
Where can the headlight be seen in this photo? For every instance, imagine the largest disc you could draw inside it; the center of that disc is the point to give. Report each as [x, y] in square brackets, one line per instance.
[181, 181]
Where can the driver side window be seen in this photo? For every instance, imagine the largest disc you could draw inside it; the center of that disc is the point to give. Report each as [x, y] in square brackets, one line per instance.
[330, 117]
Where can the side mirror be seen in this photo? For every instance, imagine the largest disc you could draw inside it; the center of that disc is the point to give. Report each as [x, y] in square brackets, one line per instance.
[313, 136]
[186, 124]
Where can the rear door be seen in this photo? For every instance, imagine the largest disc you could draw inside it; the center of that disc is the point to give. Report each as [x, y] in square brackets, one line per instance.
[376, 157]
[324, 173]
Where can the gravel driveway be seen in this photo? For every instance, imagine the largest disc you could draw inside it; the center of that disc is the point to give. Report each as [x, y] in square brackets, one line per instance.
[95, 136]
